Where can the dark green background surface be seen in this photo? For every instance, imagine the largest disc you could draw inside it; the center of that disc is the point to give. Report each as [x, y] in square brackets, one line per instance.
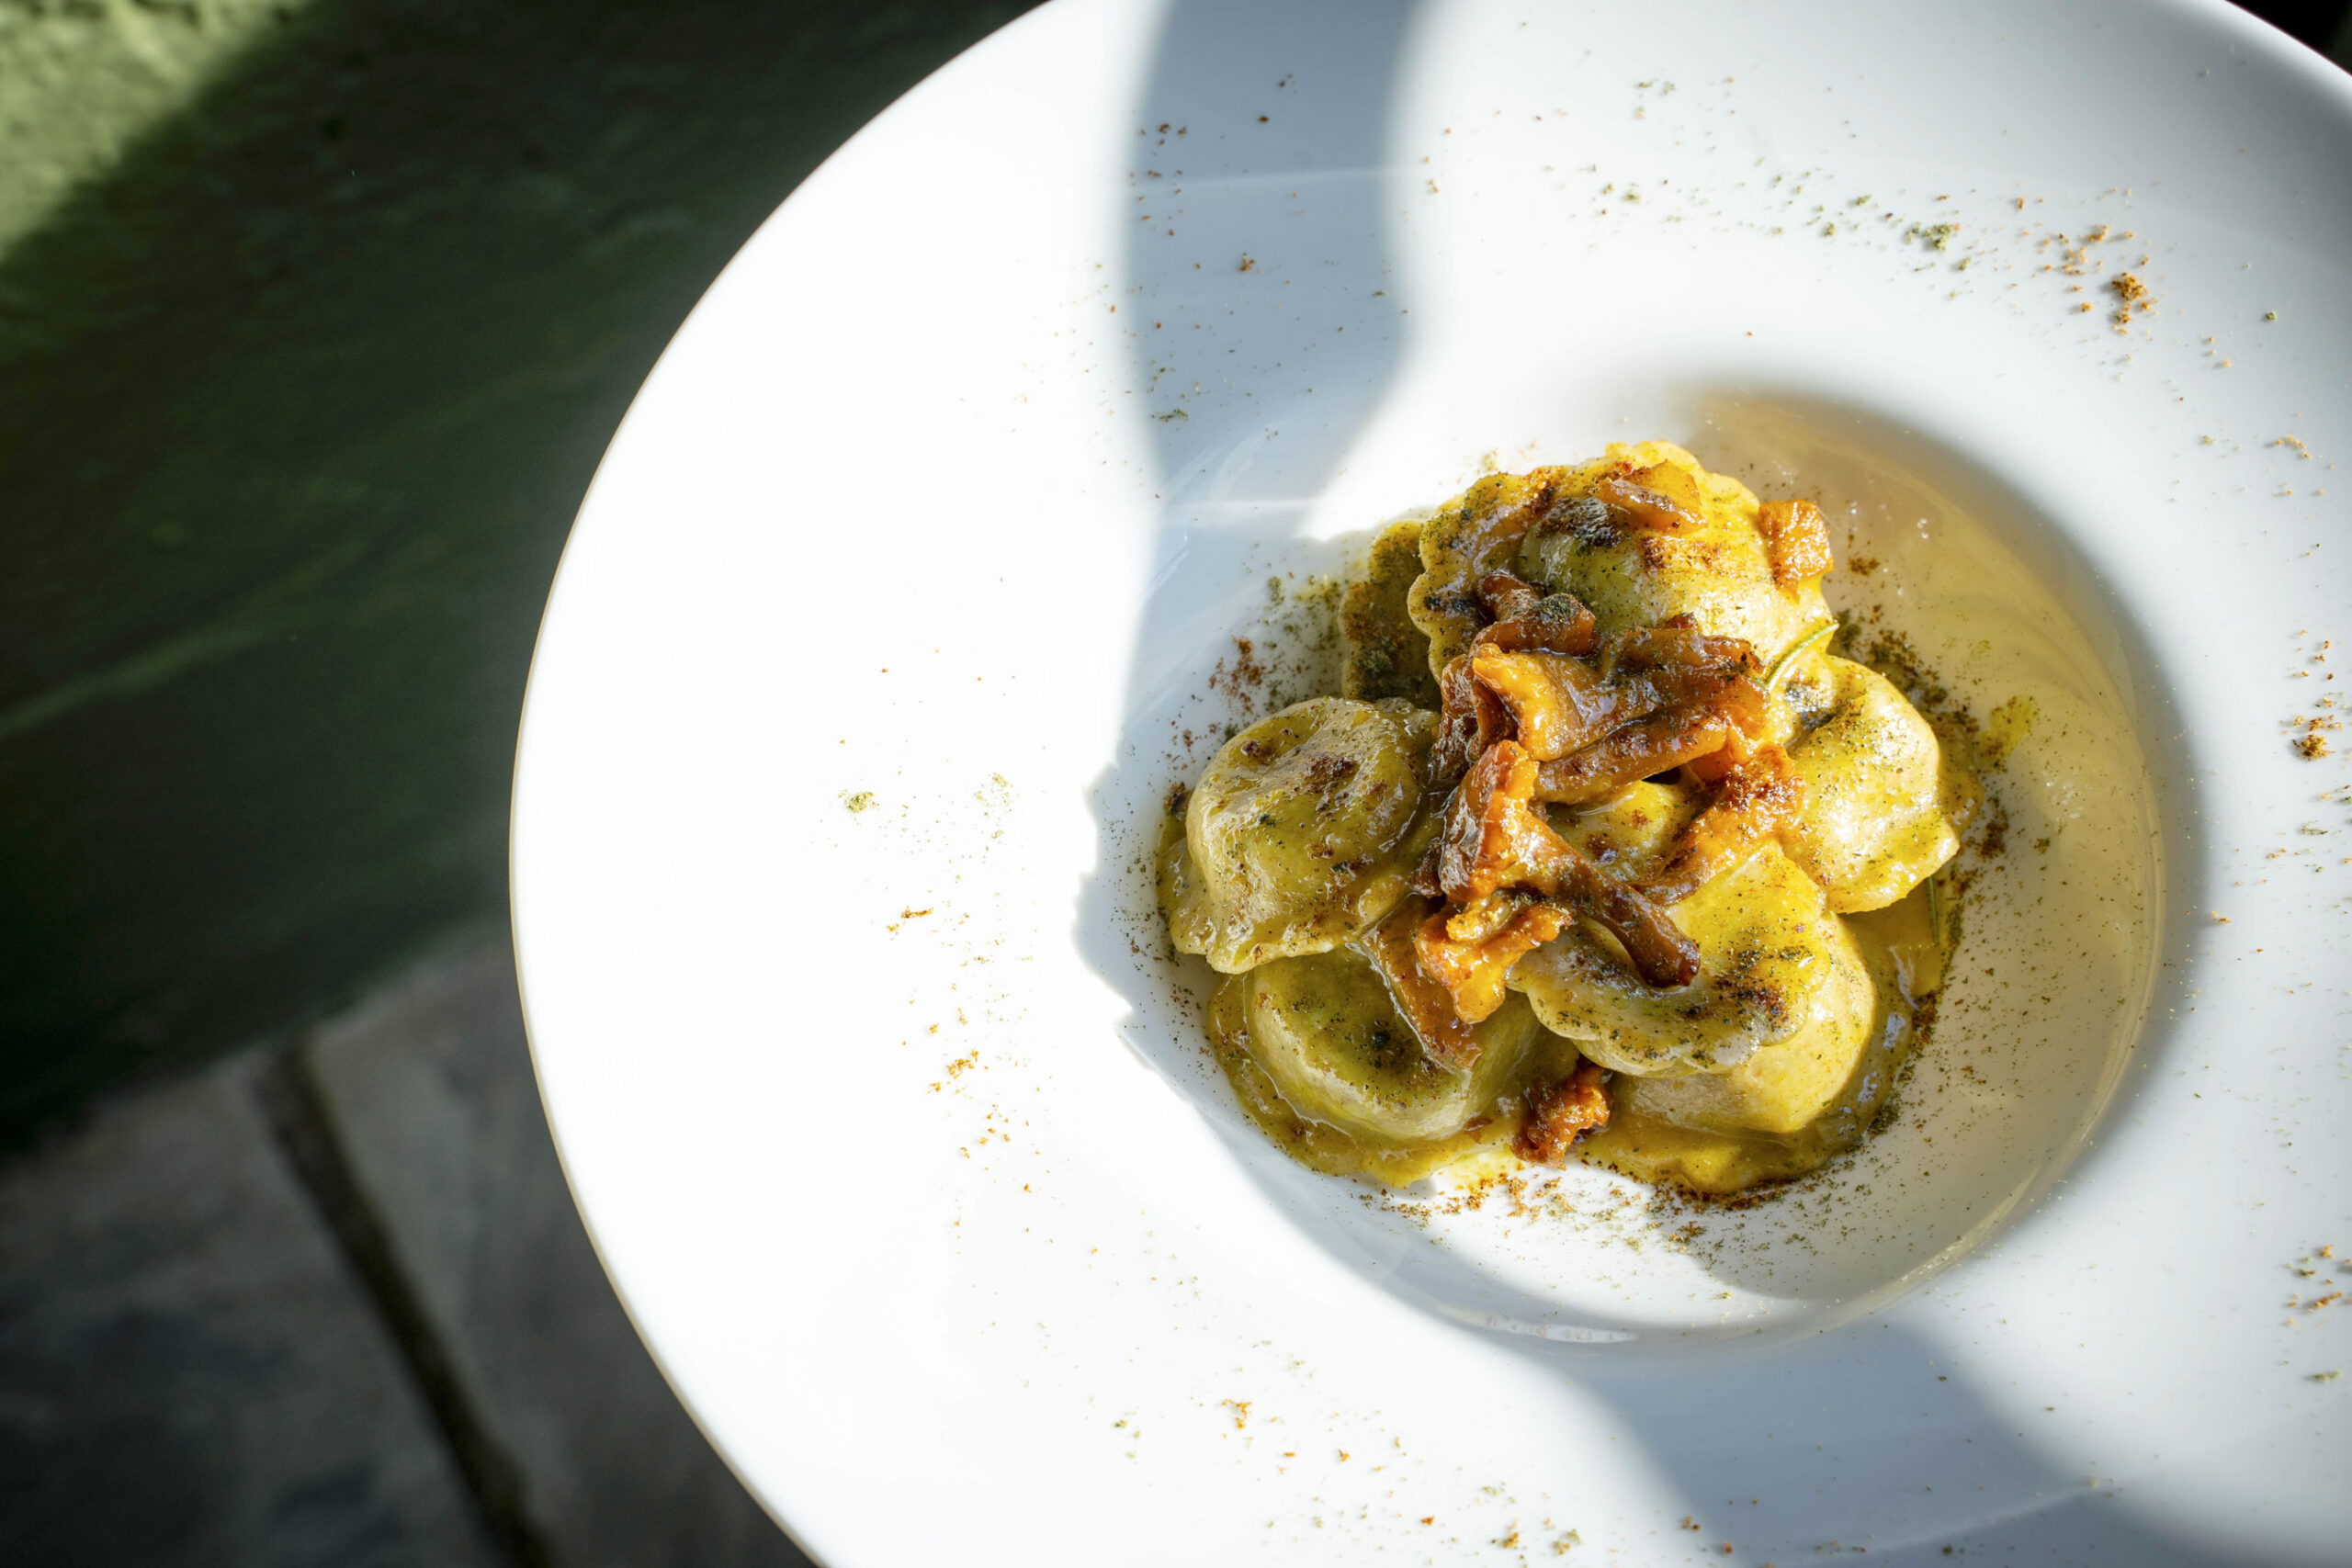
[299, 387]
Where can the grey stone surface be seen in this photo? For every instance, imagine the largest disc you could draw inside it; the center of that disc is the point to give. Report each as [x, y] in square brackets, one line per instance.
[190, 1372]
[429, 1082]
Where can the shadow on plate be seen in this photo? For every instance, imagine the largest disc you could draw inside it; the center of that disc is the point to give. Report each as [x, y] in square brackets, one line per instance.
[1259, 250]
[1990, 1115]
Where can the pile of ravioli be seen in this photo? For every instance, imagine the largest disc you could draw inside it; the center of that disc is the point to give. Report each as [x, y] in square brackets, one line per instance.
[1579, 836]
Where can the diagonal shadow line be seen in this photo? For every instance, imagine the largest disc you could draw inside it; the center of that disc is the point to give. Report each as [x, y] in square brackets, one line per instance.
[307, 1135]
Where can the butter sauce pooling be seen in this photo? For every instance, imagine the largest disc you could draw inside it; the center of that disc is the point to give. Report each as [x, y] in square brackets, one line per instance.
[1819, 947]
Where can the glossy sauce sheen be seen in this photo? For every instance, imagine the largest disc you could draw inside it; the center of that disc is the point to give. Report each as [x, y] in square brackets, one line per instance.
[1905, 959]
[1817, 967]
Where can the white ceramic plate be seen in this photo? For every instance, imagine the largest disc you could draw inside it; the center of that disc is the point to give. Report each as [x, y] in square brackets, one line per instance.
[893, 1124]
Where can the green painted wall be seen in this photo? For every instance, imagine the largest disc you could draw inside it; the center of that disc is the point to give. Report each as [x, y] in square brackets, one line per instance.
[314, 319]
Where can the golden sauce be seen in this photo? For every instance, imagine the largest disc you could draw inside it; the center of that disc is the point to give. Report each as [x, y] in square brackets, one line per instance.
[1933, 585]
[1901, 946]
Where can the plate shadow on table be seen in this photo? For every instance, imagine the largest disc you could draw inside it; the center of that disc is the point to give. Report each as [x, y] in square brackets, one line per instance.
[1254, 410]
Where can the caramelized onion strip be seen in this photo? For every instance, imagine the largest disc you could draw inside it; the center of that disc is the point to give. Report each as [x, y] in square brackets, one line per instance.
[1474, 972]
[1557, 623]
[1643, 506]
[1505, 594]
[1560, 1114]
[1487, 537]
[1494, 838]
[1796, 540]
[1472, 718]
[1557, 704]
[1759, 800]
[1424, 1000]
[1632, 753]
[1494, 537]
[1672, 647]
[1662, 955]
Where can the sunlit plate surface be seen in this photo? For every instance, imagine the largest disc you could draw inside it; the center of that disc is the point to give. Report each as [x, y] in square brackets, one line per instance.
[875, 647]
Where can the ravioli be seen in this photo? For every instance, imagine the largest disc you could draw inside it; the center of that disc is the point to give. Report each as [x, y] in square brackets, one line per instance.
[1478, 532]
[1595, 905]
[1549, 527]
[1301, 833]
[1788, 1107]
[1718, 571]
[1388, 656]
[1324, 1029]
[1881, 813]
[1775, 966]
